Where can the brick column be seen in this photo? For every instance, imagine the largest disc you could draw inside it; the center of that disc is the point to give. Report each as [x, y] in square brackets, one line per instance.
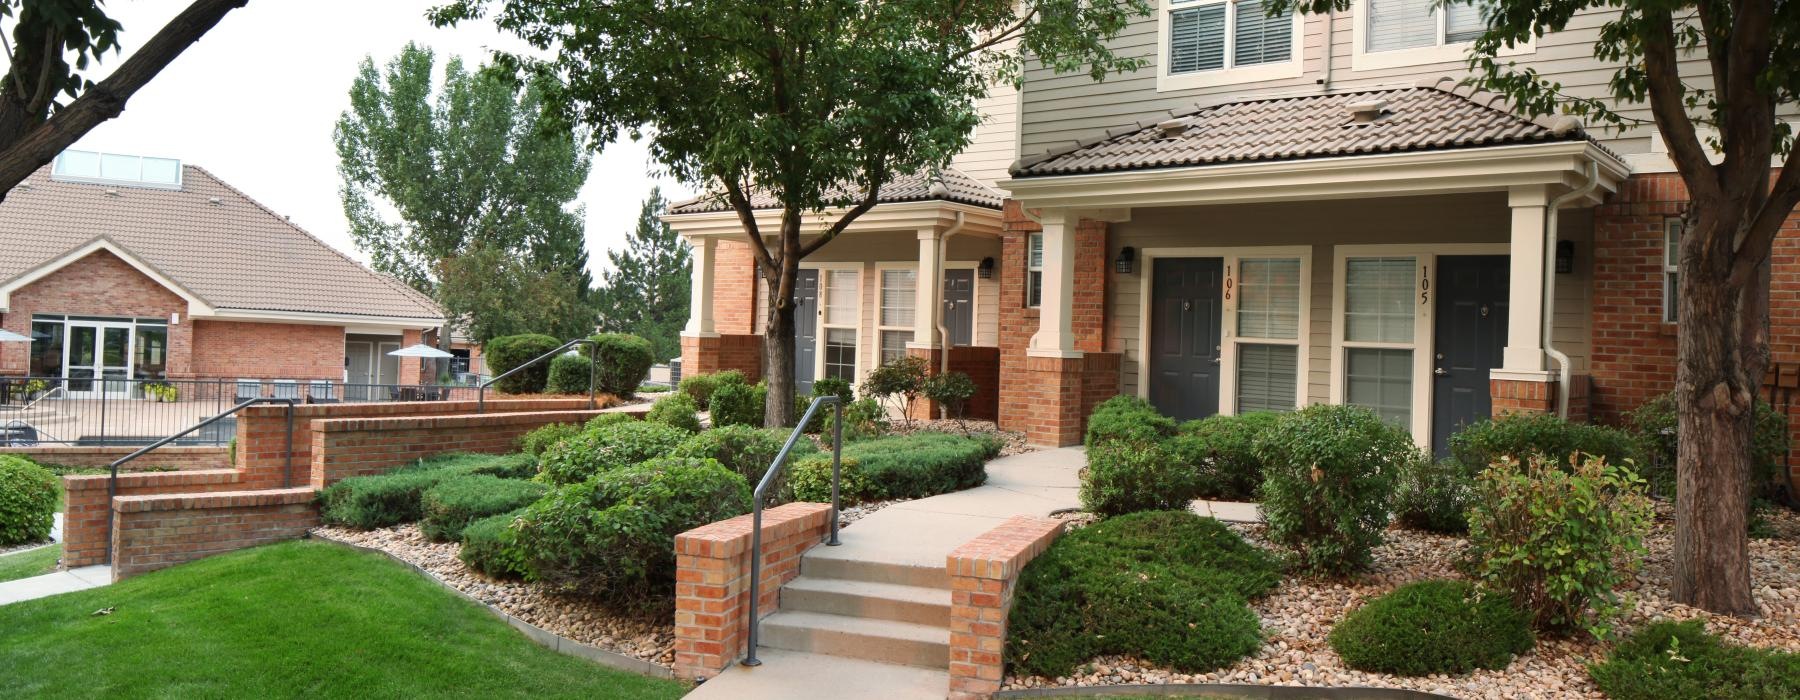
[983, 572]
[712, 581]
[1522, 396]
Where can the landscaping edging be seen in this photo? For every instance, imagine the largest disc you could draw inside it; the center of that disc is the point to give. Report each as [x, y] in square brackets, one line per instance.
[540, 636]
[1247, 692]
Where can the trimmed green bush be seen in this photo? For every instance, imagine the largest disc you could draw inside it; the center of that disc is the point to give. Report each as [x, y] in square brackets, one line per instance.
[1432, 627]
[1434, 496]
[605, 419]
[1222, 452]
[1127, 418]
[1329, 475]
[922, 464]
[453, 503]
[606, 448]
[1681, 661]
[951, 391]
[742, 449]
[701, 386]
[624, 362]
[1170, 587]
[809, 479]
[1526, 435]
[568, 375]
[539, 439]
[27, 501]
[863, 419]
[513, 466]
[491, 546]
[1130, 475]
[1657, 429]
[898, 384]
[829, 386]
[504, 353]
[370, 502]
[675, 411]
[613, 537]
[736, 403]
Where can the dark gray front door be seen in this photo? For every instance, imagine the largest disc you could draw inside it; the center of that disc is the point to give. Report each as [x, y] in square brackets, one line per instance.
[1185, 297]
[806, 329]
[959, 306]
[1470, 332]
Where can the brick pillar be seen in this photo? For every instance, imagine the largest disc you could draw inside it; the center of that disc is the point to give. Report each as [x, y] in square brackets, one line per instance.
[409, 366]
[712, 581]
[1056, 400]
[1522, 396]
[983, 573]
[1048, 397]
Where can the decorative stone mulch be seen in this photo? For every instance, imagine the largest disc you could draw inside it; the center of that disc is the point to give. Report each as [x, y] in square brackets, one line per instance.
[1298, 616]
[1014, 441]
[567, 616]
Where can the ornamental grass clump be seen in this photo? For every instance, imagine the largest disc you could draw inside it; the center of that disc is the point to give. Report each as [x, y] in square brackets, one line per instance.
[1329, 476]
[27, 501]
[1431, 627]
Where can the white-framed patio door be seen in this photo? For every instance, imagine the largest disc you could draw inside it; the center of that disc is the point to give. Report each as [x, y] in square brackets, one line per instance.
[97, 359]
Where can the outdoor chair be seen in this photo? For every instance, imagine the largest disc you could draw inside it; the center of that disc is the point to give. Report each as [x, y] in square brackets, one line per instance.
[321, 391]
[287, 389]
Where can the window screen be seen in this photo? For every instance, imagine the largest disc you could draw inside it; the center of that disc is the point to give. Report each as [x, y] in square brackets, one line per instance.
[1269, 298]
[1197, 39]
[1378, 300]
[1267, 376]
[1034, 269]
[1463, 22]
[1260, 38]
[893, 345]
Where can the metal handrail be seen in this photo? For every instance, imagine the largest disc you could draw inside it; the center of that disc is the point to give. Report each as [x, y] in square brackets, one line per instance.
[112, 484]
[593, 363]
[762, 487]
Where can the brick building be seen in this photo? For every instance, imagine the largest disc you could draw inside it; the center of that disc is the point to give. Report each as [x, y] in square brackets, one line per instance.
[129, 268]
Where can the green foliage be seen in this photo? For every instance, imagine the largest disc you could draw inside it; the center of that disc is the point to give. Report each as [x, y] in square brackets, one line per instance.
[568, 375]
[1658, 427]
[504, 353]
[1522, 436]
[834, 386]
[1431, 627]
[381, 500]
[677, 411]
[28, 498]
[624, 362]
[1127, 418]
[1329, 475]
[952, 390]
[513, 466]
[701, 386]
[922, 464]
[606, 419]
[863, 419]
[598, 450]
[1222, 452]
[1170, 587]
[809, 479]
[737, 403]
[645, 293]
[742, 449]
[1681, 661]
[1559, 542]
[455, 502]
[898, 384]
[829, 386]
[539, 439]
[1434, 496]
[613, 537]
[1127, 476]
[491, 546]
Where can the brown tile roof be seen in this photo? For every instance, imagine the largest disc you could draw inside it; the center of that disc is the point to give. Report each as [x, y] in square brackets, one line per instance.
[235, 254]
[957, 187]
[1434, 115]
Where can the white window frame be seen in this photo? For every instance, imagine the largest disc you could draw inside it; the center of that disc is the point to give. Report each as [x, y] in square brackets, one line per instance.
[1363, 59]
[1228, 337]
[1230, 74]
[1672, 228]
[1030, 269]
[1425, 314]
[825, 270]
[881, 325]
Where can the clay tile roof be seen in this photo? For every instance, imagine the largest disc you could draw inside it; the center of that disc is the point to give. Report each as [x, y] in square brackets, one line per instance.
[1436, 114]
[235, 254]
[957, 186]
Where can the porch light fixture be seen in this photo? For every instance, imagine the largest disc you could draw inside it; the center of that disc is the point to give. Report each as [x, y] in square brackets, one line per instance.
[1565, 257]
[986, 269]
[1127, 256]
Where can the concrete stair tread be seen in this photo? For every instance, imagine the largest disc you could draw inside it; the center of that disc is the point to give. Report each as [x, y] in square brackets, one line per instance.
[860, 626]
[872, 589]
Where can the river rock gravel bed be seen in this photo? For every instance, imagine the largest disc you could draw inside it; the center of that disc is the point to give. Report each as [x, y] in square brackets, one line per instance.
[1299, 614]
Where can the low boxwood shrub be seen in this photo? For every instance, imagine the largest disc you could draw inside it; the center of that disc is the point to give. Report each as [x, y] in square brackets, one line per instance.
[605, 448]
[922, 464]
[27, 501]
[382, 500]
[700, 386]
[613, 537]
[1131, 475]
[737, 403]
[1681, 661]
[1127, 417]
[1657, 428]
[539, 439]
[809, 479]
[513, 466]
[1559, 541]
[453, 503]
[675, 411]
[1431, 627]
[1170, 587]
[568, 375]
[491, 546]
[623, 362]
[1434, 496]
[743, 449]
[1329, 474]
[1222, 452]
[504, 353]
[1522, 436]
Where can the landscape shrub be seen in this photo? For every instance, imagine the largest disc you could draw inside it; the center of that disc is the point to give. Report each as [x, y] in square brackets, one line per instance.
[1130, 475]
[1329, 474]
[513, 466]
[737, 403]
[605, 419]
[491, 546]
[606, 448]
[742, 449]
[701, 386]
[1129, 418]
[1559, 541]
[898, 384]
[809, 479]
[863, 419]
[675, 411]
[381, 500]
[1524, 435]
[829, 386]
[1430, 627]
[951, 391]
[28, 498]
[1681, 661]
[1222, 452]
[922, 464]
[506, 352]
[1656, 426]
[568, 375]
[541, 438]
[1434, 495]
[1170, 587]
[613, 537]
[453, 503]
[623, 362]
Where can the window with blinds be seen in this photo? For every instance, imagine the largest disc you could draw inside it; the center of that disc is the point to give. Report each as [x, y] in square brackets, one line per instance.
[898, 294]
[1258, 38]
[1378, 299]
[1267, 376]
[1199, 33]
[1380, 380]
[1269, 298]
[893, 345]
[1412, 24]
[1197, 39]
[840, 297]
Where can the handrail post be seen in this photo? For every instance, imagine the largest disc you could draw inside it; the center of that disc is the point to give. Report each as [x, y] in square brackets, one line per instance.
[756, 506]
[481, 399]
[287, 477]
[755, 580]
[837, 458]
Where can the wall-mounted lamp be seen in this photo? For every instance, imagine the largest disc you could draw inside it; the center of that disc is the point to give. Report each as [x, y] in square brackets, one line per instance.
[1127, 256]
[986, 268]
[1565, 257]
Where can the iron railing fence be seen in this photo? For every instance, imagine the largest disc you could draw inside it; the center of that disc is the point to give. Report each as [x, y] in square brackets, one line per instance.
[100, 412]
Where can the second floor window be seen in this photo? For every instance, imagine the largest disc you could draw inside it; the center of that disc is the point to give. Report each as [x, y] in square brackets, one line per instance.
[1412, 24]
[1207, 35]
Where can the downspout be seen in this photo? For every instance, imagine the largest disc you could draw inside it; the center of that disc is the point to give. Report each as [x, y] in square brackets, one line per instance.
[943, 329]
[1330, 19]
[1562, 360]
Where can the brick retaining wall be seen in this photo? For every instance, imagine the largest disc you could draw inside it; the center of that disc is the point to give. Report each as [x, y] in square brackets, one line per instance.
[346, 447]
[712, 581]
[159, 531]
[176, 457]
[983, 572]
[84, 521]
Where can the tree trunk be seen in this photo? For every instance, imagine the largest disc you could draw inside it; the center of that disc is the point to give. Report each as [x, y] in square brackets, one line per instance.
[778, 354]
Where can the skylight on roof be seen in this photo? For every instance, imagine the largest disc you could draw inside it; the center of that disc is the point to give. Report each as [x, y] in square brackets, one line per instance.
[117, 169]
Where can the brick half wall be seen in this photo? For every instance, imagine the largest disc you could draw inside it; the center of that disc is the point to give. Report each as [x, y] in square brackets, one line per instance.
[712, 581]
[983, 573]
[346, 447]
[178, 457]
[156, 532]
[722, 352]
[84, 520]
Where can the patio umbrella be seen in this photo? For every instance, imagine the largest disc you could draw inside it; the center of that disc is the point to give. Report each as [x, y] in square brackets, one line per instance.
[7, 336]
[423, 352]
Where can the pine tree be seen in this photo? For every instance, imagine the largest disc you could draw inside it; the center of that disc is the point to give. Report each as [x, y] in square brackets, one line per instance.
[646, 291]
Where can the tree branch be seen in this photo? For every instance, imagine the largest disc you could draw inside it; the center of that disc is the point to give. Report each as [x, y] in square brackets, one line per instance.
[1748, 132]
[740, 203]
[1662, 71]
[1759, 236]
[877, 178]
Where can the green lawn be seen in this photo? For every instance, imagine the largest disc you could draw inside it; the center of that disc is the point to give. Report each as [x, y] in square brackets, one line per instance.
[28, 564]
[298, 619]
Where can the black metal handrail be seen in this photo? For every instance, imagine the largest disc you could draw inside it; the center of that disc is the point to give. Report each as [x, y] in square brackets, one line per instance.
[772, 476]
[112, 484]
[593, 363]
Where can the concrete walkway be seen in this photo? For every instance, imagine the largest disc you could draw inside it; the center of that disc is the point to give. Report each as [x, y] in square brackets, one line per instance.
[56, 583]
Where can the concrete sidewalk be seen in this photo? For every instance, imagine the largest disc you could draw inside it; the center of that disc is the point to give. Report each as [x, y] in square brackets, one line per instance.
[56, 583]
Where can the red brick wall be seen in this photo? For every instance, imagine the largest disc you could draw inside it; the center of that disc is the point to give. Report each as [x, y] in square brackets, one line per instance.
[100, 284]
[156, 532]
[734, 282]
[708, 355]
[983, 367]
[346, 447]
[84, 520]
[983, 572]
[232, 349]
[712, 581]
[1512, 396]
[181, 457]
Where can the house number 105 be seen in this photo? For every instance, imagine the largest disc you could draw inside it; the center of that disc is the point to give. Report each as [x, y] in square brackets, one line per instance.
[1424, 283]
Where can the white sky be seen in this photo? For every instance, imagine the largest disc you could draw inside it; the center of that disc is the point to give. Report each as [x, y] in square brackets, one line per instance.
[256, 99]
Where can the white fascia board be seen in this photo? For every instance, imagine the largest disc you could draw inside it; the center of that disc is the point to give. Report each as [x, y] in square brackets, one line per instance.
[196, 305]
[898, 216]
[314, 318]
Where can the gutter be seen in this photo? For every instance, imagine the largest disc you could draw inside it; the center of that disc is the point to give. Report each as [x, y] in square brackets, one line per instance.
[1549, 308]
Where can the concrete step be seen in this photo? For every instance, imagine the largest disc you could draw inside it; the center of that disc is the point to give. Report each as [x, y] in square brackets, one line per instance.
[888, 641]
[836, 563]
[867, 599]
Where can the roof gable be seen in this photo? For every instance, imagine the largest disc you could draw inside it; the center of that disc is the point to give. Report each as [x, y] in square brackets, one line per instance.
[196, 305]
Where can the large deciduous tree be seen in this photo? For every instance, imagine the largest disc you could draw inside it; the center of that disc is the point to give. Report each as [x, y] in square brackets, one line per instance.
[464, 192]
[646, 291]
[817, 103]
[47, 102]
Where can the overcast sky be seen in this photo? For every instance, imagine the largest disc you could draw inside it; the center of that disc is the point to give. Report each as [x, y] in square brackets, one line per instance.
[255, 101]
